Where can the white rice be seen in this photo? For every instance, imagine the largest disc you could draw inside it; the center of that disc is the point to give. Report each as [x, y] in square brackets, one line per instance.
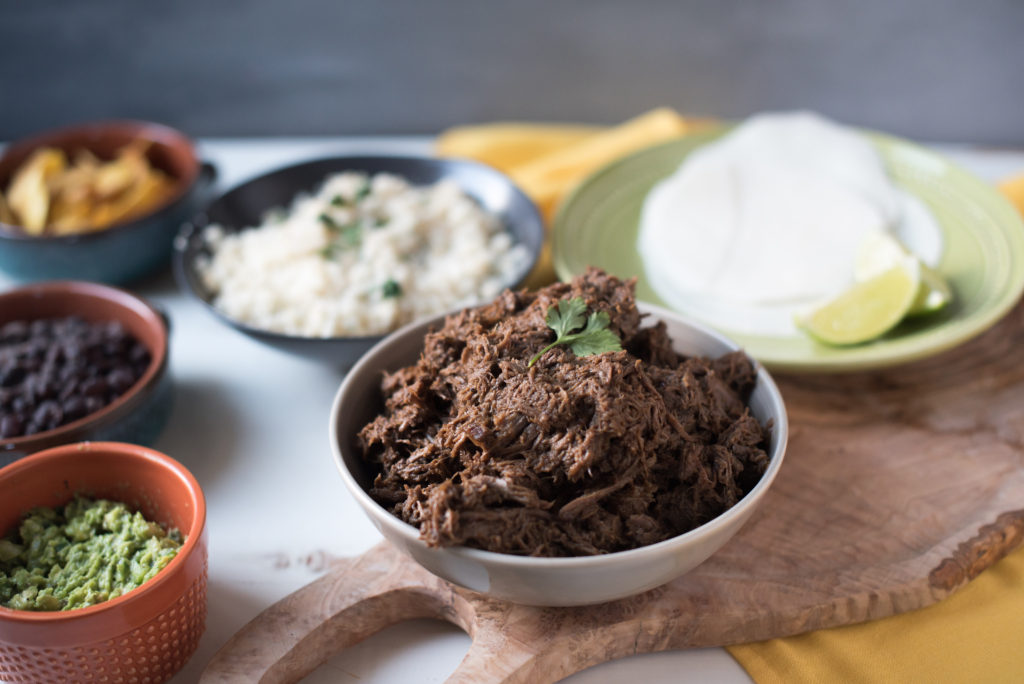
[322, 269]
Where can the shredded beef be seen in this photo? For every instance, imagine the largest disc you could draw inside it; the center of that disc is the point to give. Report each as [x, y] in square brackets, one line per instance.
[572, 456]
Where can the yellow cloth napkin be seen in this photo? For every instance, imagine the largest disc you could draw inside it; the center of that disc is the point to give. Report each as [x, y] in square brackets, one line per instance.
[976, 635]
[547, 161]
[506, 145]
[1013, 188]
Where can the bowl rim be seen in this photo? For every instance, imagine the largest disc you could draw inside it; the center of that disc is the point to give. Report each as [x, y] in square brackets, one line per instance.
[171, 467]
[411, 534]
[185, 272]
[138, 128]
[125, 300]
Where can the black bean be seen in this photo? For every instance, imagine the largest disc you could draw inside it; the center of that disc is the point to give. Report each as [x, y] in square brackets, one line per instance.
[12, 376]
[34, 387]
[139, 354]
[48, 414]
[120, 379]
[69, 389]
[114, 330]
[74, 408]
[94, 387]
[113, 349]
[73, 349]
[14, 332]
[10, 426]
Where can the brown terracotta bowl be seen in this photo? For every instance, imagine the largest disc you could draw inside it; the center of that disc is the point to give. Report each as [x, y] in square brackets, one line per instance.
[122, 252]
[145, 635]
[139, 414]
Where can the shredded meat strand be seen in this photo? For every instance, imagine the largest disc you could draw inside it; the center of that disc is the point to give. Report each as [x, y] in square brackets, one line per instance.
[572, 456]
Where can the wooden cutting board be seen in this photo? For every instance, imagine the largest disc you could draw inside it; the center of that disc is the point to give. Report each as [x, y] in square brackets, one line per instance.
[898, 488]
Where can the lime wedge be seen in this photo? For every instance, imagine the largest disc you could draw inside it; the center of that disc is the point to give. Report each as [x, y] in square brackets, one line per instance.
[879, 252]
[867, 310]
[933, 294]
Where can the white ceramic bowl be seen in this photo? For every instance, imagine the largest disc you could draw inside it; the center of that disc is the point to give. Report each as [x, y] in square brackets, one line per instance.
[546, 581]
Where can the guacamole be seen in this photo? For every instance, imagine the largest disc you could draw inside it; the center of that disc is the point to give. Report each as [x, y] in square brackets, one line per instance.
[85, 553]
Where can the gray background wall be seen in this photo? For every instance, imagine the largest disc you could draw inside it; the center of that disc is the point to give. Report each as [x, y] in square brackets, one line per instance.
[945, 70]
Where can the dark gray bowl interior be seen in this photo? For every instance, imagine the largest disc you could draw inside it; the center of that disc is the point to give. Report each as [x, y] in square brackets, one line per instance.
[245, 205]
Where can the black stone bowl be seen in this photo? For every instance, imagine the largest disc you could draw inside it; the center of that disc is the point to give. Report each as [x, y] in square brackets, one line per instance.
[245, 205]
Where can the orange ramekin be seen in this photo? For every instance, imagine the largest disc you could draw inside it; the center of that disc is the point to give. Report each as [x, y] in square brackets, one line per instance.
[145, 635]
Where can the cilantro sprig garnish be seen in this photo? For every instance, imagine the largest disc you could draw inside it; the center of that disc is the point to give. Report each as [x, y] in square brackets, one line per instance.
[361, 193]
[330, 223]
[345, 236]
[571, 315]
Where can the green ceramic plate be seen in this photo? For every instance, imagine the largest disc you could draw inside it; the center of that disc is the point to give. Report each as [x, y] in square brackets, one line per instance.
[983, 258]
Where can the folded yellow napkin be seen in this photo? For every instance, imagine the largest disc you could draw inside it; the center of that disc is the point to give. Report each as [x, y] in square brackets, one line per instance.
[506, 145]
[547, 161]
[976, 635]
[1013, 188]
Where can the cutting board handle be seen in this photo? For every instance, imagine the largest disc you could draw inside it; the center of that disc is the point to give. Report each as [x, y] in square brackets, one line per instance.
[355, 599]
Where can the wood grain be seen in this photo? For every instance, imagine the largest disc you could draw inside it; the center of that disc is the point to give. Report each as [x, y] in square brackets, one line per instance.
[898, 488]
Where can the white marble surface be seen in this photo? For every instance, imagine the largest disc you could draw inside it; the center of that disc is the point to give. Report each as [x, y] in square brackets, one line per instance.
[251, 424]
